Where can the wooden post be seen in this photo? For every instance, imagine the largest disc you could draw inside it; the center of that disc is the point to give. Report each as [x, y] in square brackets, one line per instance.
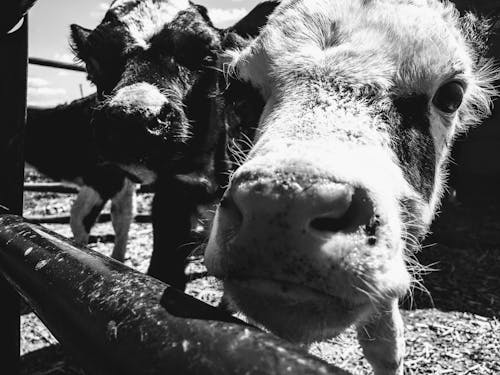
[13, 70]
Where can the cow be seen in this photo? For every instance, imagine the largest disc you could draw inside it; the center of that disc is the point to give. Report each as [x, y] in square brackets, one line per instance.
[60, 143]
[361, 101]
[154, 64]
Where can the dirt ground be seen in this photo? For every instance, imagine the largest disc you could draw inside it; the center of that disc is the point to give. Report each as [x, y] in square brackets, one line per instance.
[452, 328]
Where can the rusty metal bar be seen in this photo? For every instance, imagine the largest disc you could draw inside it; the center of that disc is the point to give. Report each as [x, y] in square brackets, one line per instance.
[115, 320]
[13, 70]
[56, 64]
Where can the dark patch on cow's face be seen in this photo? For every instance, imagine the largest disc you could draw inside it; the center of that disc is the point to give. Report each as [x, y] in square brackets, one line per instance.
[241, 103]
[413, 143]
[243, 107]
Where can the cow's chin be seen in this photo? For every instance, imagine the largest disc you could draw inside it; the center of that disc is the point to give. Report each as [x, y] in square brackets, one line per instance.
[294, 312]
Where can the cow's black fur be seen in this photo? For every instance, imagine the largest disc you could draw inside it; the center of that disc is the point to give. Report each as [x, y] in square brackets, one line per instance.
[413, 143]
[59, 143]
[191, 170]
[216, 123]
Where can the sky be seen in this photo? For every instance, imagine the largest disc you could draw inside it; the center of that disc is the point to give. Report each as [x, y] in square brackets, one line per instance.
[49, 22]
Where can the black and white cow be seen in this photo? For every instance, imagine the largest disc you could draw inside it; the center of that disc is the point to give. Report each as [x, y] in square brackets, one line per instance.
[60, 143]
[361, 102]
[351, 107]
[154, 64]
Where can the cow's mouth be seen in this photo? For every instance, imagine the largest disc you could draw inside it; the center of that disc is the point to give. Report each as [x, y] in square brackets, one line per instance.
[292, 311]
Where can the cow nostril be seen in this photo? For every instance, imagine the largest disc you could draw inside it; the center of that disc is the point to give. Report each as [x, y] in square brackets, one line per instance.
[358, 213]
[329, 224]
[157, 127]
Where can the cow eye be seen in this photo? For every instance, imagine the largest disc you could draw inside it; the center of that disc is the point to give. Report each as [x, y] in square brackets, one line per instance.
[449, 97]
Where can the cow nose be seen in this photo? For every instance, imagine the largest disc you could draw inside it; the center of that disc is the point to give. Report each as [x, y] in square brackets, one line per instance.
[131, 120]
[138, 99]
[319, 209]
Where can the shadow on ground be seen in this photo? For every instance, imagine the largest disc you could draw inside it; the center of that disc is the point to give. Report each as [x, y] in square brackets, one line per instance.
[51, 360]
[464, 248]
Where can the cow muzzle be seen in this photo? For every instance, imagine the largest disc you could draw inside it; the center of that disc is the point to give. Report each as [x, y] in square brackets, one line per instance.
[139, 126]
[293, 239]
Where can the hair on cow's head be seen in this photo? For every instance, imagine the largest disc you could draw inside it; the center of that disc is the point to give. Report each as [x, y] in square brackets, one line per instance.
[102, 51]
[243, 103]
[191, 28]
[478, 31]
[78, 39]
[186, 36]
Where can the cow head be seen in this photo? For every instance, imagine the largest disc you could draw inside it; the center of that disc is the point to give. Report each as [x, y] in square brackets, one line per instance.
[361, 102]
[152, 63]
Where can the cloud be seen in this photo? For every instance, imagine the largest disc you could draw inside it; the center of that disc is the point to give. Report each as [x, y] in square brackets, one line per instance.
[64, 57]
[226, 17]
[40, 93]
[99, 11]
[37, 82]
[46, 91]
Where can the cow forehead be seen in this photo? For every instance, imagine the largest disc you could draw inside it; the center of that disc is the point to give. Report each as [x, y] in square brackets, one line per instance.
[144, 19]
[410, 45]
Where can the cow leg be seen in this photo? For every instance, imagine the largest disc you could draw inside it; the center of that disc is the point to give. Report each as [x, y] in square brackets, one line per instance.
[84, 212]
[174, 205]
[122, 214]
[382, 340]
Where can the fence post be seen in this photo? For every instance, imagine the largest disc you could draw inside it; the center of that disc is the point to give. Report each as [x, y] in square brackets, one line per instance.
[13, 70]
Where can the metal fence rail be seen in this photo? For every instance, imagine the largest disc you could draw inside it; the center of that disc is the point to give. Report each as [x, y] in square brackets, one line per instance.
[58, 187]
[65, 219]
[62, 188]
[56, 64]
[116, 320]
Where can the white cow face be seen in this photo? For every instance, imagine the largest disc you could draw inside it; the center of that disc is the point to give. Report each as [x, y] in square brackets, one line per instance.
[362, 102]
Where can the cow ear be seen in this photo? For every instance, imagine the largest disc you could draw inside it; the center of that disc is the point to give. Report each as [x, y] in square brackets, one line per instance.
[203, 12]
[478, 32]
[79, 36]
[250, 25]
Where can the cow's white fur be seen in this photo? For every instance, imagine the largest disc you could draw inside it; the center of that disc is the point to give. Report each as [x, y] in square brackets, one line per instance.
[148, 18]
[122, 215]
[84, 203]
[123, 209]
[417, 75]
[398, 47]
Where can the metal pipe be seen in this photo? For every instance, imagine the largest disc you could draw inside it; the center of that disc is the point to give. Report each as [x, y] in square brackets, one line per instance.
[13, 70]
[56, 64]
[52, 187]
[65, 219]
[118, 321]
[58, 187]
